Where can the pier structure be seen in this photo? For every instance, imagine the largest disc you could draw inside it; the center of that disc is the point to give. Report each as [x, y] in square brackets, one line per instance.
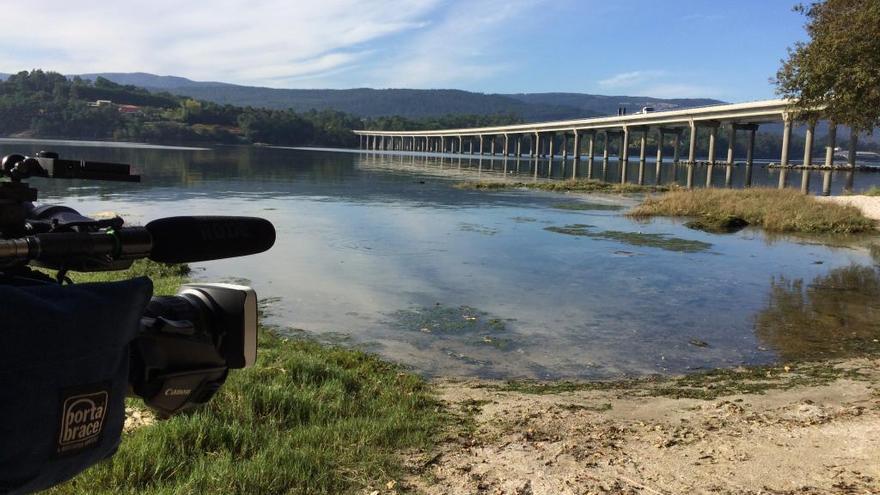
[565, 140]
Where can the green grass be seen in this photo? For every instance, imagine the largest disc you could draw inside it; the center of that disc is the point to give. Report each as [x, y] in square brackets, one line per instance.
[571, 185]
[308, 418]
[873, 191]
[773, 209]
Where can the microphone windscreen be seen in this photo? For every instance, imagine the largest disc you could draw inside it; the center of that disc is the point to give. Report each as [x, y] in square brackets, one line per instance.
[190, 239]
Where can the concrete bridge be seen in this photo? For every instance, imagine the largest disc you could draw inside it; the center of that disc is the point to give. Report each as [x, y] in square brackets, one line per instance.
[542, 138]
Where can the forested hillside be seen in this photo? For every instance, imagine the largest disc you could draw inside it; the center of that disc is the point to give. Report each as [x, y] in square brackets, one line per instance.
[48, 104]
[410, 103]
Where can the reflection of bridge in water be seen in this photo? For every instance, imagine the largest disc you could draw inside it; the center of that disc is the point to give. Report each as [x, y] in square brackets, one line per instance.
[565, 140]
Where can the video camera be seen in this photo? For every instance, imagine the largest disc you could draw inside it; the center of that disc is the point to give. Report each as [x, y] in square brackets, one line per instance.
[70, 353]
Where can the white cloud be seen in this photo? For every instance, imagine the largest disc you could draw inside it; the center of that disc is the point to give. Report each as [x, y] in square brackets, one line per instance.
[254, 42]
[680, 90]
[657, 84]
[463, 46]
[630, 79]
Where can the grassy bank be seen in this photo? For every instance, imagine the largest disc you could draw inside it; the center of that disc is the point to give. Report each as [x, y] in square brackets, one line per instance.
[307, 418]
[774, 210]
[572, 185]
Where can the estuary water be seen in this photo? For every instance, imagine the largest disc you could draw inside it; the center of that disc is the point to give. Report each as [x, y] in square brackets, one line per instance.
[382, 252]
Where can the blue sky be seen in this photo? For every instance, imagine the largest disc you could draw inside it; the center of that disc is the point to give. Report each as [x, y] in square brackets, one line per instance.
[675, 48]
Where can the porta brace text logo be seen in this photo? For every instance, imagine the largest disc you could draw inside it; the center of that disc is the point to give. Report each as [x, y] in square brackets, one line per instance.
[82, 421]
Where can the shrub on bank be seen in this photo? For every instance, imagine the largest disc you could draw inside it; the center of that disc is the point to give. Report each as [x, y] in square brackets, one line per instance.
[773, 209]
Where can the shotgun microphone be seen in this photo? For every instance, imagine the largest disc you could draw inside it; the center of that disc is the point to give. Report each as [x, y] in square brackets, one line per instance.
[202, 238]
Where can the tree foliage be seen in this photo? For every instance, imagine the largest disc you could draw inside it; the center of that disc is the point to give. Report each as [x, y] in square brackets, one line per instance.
[839, 68]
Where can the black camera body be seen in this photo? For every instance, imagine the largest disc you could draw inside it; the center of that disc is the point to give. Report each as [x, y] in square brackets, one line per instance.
[62, 408]
[189, 341]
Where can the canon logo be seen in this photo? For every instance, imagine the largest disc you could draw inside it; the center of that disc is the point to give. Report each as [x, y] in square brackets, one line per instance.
[177, 391]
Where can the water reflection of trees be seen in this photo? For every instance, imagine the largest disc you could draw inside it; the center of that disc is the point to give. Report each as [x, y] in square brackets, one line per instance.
[835, 315]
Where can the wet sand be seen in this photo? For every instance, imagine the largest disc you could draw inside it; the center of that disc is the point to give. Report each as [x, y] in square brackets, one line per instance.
[870, 205]
[805, 439]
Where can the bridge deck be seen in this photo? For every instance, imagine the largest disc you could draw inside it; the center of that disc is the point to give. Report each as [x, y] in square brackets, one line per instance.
[751, 112]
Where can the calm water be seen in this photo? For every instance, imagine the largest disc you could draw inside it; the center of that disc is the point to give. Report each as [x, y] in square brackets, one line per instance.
[381, 252]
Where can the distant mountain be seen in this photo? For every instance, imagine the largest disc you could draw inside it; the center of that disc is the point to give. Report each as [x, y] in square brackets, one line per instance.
[411, 103]
[152, 81]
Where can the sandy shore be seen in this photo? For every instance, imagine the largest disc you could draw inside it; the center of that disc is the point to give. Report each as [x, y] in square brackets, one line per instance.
[870, 205]
[799, 438]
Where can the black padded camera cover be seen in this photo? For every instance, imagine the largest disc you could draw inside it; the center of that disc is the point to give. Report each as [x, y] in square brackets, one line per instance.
[63, 377]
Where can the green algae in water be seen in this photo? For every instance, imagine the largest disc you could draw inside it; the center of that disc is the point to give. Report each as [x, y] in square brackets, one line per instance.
[524, 219]
[445, 320]
[584, 206]
[662, 241]
[465, 323]
[475, 227]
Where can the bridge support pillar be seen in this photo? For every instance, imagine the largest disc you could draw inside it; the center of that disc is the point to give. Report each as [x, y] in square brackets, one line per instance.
[481, 145]
[786, 145]
[591, 147]
[643, 144]
[851, 160]
[576, 152]
[731, 144]
[713, 136]
[492, 145]
[551, 140]
[676, 147]
[564, 148]
[518, 147]
[829, 158]
[605, 152]
[692, 145]
[506, 145]
[623, 155]
[692, 157]
[829, 146]
[853, 144]
[659, 164]
[808, 157]
[750, 156]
